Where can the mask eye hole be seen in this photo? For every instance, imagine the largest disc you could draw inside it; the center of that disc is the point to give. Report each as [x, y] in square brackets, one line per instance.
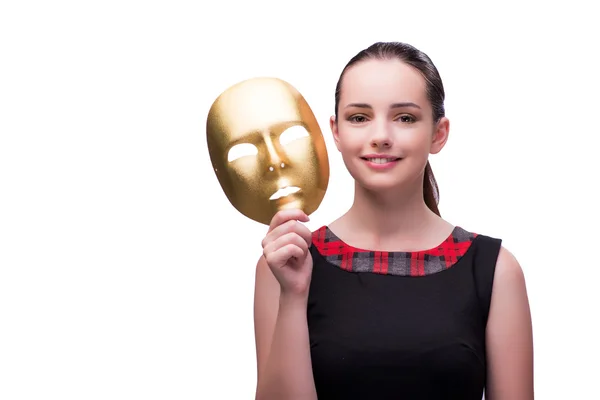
[241, 150]
[291, 134]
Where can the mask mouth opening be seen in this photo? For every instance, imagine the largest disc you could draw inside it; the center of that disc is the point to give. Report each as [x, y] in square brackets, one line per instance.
[285, 191]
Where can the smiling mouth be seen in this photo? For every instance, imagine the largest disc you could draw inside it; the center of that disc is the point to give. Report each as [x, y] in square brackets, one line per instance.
[381, 160]
[283, 192]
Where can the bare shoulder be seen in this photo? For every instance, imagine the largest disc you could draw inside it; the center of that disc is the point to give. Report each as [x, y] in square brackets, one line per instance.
[509, 333]
[508, 267]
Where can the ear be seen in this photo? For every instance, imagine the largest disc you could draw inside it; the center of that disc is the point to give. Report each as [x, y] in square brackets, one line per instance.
[440, 135]
[334, 130]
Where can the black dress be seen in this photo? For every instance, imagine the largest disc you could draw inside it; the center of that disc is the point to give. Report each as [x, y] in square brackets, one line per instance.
[400, 325]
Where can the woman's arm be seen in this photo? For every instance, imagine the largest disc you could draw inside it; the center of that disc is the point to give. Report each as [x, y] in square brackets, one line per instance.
[282, 343]
[509, 334]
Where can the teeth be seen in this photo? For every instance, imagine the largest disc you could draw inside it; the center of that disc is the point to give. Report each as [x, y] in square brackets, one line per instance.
[381, 160]
[286, 191]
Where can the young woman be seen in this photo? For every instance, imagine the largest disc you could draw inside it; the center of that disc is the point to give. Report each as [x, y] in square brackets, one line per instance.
[390, 301]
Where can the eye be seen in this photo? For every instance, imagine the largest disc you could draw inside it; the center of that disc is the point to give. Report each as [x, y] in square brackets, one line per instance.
[293, 133]
[407, 119]
[358, 119]
[241, 150]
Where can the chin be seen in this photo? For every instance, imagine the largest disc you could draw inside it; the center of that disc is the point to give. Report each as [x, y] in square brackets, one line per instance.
[377, 182]
[385, 182]
[380, 186]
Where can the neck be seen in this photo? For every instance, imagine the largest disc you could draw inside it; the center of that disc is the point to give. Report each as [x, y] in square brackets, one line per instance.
[398, 213]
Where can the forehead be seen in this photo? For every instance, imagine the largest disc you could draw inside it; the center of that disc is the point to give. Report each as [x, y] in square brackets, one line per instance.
[256, 105]
[387, 81]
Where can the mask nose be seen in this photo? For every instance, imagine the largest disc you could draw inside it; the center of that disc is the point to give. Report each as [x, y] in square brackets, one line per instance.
[274, 166]
[275, 160]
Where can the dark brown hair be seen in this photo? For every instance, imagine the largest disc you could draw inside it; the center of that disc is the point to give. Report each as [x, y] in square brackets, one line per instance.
[435, 93]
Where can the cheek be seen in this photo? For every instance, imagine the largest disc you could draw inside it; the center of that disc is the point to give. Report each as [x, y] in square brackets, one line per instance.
[415, 142]
[350, 151]
[351, 142]
[350, 154]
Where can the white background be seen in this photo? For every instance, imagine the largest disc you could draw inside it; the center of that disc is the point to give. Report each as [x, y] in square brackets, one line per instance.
[126, 274]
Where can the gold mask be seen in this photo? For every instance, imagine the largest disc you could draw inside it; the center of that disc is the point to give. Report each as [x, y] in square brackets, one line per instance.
[267, 149]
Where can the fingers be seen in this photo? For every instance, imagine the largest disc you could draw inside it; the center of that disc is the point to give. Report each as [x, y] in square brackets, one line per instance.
[288, 227]
[284, 240]
[287, 215]
[281, 256]
[287, 237]
[279, 251]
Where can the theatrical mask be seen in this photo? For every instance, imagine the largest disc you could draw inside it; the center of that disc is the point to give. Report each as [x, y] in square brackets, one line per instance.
[267, 149]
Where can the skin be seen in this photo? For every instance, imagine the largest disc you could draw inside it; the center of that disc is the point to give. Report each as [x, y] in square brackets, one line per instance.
[388, 209]
[388, 205]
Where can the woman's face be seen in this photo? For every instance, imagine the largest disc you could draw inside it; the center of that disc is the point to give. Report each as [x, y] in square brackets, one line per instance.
[385, 129]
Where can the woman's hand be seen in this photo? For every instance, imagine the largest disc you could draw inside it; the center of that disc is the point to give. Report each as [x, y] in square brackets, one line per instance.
[286, 250]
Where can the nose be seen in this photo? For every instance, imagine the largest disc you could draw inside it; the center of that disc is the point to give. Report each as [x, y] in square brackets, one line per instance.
[275, 159]
[381, 137]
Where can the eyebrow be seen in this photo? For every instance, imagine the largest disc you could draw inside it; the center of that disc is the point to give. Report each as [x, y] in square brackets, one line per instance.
[395, 105]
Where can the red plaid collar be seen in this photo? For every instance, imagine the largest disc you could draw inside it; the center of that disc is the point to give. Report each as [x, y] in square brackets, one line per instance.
[415, 263]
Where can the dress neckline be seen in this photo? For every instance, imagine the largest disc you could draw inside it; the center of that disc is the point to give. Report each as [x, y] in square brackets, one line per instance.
[336, 238]
[402, 263]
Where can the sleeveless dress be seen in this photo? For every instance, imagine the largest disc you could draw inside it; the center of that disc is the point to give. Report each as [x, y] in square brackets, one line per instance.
[400, 325]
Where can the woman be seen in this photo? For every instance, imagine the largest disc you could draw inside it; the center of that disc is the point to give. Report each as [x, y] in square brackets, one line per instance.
[390, 301]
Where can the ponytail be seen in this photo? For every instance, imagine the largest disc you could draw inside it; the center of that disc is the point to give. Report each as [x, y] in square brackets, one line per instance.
[431, 192]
